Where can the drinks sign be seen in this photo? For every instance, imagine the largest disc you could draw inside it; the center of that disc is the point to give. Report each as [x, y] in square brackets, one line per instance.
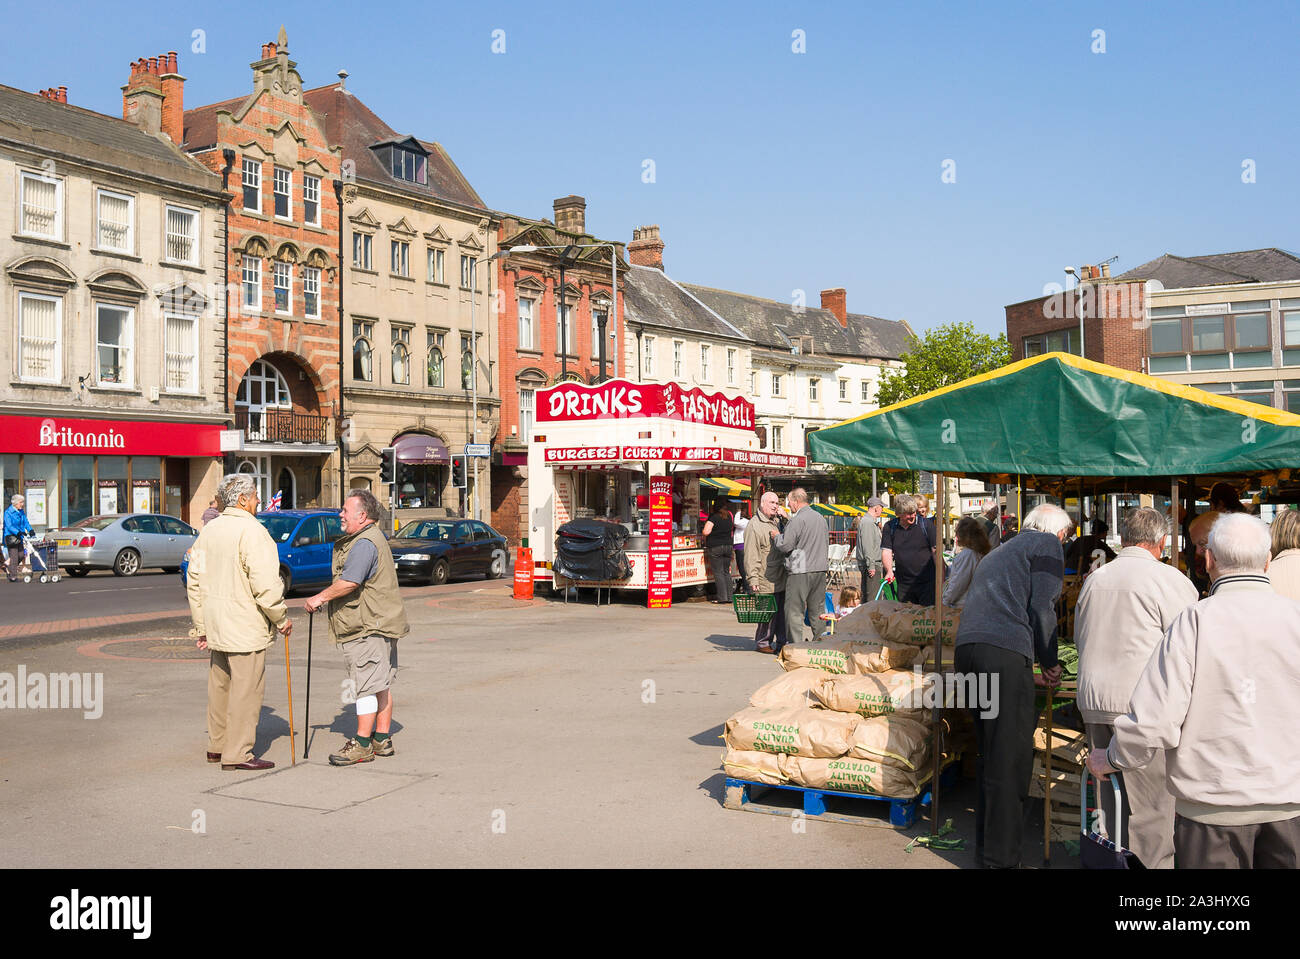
[660, 578]
[621, 399]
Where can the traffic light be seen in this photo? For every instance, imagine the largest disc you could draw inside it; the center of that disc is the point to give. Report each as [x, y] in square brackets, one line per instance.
[458, 472]
[388, 465]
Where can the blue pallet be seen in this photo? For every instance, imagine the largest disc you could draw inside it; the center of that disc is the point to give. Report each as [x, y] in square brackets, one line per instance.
[902, 812]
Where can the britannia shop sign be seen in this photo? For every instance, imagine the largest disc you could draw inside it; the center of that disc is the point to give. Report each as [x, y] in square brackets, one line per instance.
[34, 434]
[619, 399]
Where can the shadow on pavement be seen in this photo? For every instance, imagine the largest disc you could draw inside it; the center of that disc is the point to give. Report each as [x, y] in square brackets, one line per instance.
[713, 786]
[738, 644]
[710, 737]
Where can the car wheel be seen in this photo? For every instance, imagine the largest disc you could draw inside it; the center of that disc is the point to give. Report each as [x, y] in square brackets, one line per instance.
[497, 568]
[285, 581]
[74, 571]
[127, 563]
[439, 574]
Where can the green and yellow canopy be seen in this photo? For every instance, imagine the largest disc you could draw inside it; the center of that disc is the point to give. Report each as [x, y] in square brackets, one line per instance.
[1059, 416]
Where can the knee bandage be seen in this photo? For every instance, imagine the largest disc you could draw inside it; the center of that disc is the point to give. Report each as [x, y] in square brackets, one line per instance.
[367, 705]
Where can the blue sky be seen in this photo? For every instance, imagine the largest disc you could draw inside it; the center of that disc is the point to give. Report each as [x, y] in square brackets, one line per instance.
[778, 171]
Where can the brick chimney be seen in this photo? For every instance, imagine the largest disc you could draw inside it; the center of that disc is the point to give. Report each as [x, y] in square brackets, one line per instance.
[571, 214]
[57, 94]
[153, 98]
[646, 249]
[836, 301]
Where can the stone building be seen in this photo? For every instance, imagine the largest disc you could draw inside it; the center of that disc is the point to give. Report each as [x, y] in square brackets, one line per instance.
[112, 248]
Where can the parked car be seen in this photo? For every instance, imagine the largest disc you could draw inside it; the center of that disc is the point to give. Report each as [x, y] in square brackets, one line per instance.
[434, 550]
[305, 540]
[124, 543]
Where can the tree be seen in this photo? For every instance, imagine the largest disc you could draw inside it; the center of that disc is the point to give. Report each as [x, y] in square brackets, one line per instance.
[945, 355]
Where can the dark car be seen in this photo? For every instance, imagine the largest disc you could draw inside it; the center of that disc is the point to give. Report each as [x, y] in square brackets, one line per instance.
[434, 550]
[305, 540]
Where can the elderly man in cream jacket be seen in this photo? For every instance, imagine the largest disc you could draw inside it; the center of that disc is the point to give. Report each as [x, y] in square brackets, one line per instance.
[237, 605]
[1219, 696]
[1123, 612]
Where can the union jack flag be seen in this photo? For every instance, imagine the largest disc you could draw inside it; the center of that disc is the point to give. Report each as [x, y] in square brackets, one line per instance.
[274, 505]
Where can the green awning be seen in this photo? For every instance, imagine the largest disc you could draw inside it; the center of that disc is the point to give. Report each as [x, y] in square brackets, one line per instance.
[1060, 416]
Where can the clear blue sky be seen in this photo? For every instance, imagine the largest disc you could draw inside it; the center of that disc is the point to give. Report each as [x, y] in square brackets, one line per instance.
[778, 171]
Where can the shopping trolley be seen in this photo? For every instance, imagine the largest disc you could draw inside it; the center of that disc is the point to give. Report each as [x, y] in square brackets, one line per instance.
[1095, 850]
[43, 553]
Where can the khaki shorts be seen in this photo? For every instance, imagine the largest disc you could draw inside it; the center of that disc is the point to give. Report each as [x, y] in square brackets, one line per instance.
[371, 663]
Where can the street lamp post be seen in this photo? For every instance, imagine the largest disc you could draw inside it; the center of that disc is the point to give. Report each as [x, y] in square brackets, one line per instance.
[473, 366]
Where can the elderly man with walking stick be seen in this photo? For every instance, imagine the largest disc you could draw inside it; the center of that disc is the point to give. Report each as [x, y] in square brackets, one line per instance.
[367, 619]
[237, 606]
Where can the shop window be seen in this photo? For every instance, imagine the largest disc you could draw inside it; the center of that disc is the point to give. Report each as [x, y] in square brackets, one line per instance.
[146, 479]
[113, 338]
[77, 495]
[8, 477]
[363, 333]
[419, 486]
[41, 489]
[112, 494]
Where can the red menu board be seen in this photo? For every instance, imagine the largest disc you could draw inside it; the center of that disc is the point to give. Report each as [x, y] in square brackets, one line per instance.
[660, 579]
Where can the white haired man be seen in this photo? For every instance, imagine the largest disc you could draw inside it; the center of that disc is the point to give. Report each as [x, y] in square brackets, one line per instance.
[237, 606]
[806, 546]
[1218, 695]
[367, 619]
[1123, 612]
[1009, 619]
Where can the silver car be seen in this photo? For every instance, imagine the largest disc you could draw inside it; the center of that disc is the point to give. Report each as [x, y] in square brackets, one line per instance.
[125, 544]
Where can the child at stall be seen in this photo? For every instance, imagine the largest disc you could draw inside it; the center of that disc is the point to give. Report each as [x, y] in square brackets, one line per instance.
[850, 599]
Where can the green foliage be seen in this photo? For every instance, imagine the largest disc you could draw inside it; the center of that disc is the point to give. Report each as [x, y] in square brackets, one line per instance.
[945, 355]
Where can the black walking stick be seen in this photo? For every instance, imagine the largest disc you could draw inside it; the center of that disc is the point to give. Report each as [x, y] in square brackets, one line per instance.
[306, 715]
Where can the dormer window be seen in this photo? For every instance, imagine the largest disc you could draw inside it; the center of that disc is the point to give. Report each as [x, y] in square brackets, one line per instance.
[409, 165]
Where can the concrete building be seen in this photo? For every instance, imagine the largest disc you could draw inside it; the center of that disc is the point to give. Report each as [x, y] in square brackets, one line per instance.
[112, 250]
[416, 313]
[284, 356]
[531, 329]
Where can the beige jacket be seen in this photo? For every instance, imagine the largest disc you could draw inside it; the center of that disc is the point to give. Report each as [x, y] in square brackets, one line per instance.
[1219, 696]
[1125, 608]
[1284, 573]
[233, 584]
[764, 570]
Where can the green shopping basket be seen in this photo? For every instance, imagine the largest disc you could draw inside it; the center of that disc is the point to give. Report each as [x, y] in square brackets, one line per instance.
[754, 608]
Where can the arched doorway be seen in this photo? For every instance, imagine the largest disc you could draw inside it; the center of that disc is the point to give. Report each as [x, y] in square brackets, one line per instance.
[287, 487]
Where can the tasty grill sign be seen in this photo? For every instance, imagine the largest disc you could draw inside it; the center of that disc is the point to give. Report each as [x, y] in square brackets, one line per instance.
[620, 399]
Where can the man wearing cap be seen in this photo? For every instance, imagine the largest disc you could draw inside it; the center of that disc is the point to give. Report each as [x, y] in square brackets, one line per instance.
[867, 550]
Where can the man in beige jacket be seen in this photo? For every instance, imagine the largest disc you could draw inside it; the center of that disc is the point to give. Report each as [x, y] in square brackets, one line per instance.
[237, 605]
[765, 572]
[1218, 695]
[1124, 610]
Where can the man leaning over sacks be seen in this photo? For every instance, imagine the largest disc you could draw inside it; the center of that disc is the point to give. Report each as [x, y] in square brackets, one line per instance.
[765, 573]
[806, 546]
[237, 606]
[367, 619]
[1219, 697]
[1123, 612]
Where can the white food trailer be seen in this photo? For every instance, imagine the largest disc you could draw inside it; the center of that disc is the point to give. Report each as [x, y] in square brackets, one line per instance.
[593, 450]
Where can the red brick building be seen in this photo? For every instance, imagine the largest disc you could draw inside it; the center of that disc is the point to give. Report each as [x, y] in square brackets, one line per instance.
[531, 358]
[1112, 312]
[282, 255]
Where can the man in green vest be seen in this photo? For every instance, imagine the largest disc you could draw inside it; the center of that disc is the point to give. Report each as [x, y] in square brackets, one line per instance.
[366, 621]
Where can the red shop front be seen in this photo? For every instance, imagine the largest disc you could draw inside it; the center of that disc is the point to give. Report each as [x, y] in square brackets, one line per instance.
[70, 468]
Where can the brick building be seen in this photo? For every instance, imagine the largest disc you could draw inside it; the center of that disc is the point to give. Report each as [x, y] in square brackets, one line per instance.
[282, 369]
[530, 331]
[1111, 309]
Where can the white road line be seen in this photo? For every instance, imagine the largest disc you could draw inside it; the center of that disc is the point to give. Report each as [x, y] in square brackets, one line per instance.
[123, 589]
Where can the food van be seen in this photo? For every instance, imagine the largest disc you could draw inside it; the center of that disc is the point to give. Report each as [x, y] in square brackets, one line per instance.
[593, 452]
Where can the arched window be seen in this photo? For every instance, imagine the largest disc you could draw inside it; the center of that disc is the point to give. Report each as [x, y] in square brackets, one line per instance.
[263, 387]
[363, 367]
[401, 355]
[435, 367]
[466, 370]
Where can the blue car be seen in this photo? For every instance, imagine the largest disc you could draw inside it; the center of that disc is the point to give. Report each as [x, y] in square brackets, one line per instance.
[305, 540]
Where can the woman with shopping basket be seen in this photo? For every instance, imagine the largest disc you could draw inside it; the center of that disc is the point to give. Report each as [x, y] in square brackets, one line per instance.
[16, 527]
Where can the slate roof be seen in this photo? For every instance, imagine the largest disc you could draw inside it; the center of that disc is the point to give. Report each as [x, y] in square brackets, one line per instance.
[199, 124]
[1268, 265]
[75, 131]
[773, 324]
[652, 298]
[351, 124]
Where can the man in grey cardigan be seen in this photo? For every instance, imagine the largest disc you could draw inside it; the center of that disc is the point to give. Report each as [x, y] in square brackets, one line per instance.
[867, 549]
[1124, 610]
[1008, 620]
[806, 546]
[1219, 698]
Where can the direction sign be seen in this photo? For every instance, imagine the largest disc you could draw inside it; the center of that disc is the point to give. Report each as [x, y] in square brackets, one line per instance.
[483, 450]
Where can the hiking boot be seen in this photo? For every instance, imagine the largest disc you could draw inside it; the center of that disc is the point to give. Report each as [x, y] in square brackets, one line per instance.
[351, 753]
[383, 747]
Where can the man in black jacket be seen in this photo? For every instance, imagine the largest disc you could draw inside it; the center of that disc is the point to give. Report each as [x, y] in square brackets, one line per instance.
[1008, 620]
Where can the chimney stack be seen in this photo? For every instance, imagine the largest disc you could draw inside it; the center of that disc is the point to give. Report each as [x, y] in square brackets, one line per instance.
[57, 94]
[836, 301]
[154, 96]
[1105, 271]
[646, 249]
[571, 214]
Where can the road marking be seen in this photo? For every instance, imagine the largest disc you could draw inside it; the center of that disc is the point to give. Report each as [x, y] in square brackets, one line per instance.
[123, 589]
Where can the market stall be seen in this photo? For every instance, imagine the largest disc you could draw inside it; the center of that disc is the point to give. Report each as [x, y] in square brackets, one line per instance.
[1070, 426]
[635, 454]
